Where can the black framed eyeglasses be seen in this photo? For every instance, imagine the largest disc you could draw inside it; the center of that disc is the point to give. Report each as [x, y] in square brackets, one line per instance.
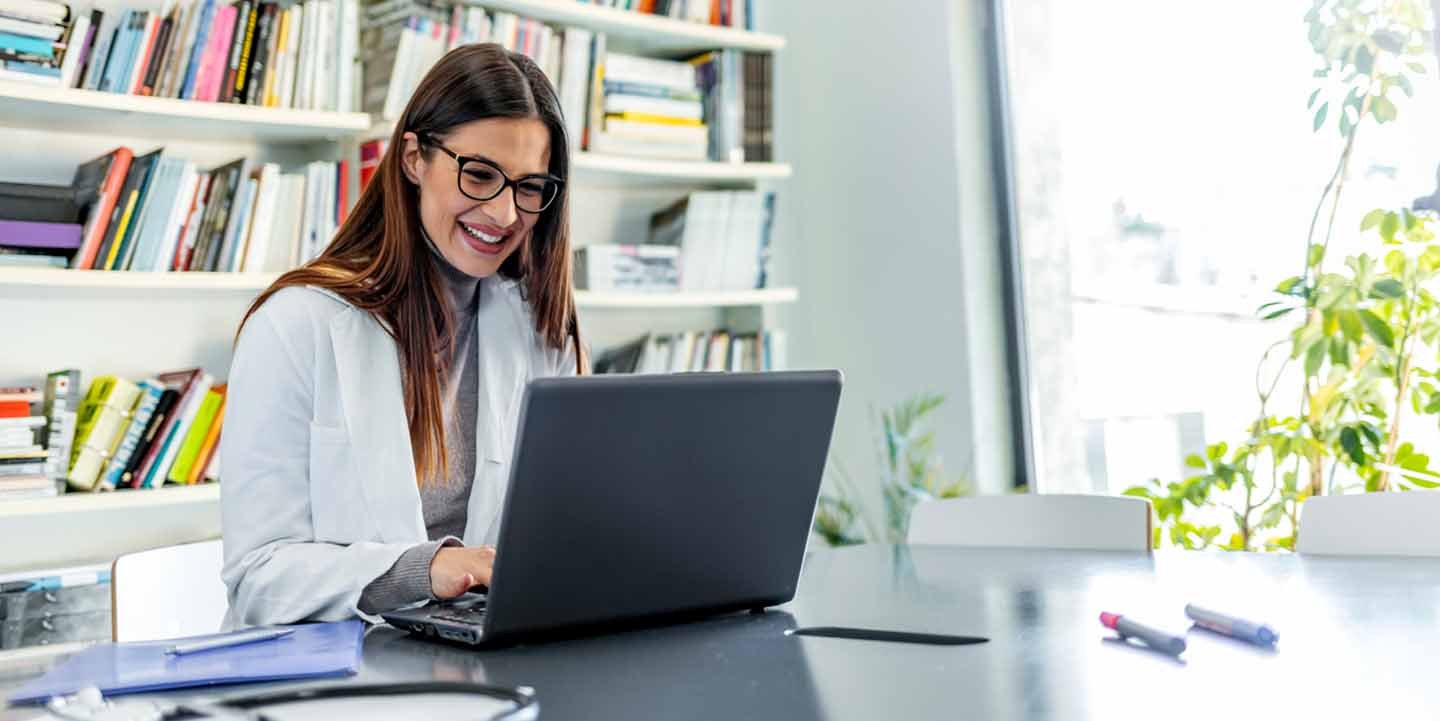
[481, 179]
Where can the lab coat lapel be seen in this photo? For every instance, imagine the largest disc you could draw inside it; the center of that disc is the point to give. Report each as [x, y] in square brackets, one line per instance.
[367, 363]
[502, 368]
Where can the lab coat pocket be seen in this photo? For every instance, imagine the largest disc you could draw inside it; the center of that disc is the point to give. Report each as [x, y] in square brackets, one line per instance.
[337, 498]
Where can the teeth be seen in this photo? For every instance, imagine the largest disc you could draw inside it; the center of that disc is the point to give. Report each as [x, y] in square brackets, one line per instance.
[482, 237]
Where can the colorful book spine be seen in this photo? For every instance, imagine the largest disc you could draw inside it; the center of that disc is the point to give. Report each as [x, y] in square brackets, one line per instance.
[150, 392]
[195, 436]
[62, 400]
[100, 422]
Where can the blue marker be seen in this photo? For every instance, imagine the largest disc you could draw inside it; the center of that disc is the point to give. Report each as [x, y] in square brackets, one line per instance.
[1256, 633]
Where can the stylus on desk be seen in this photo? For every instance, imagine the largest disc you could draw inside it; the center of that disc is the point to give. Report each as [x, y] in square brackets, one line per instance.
[872, 634]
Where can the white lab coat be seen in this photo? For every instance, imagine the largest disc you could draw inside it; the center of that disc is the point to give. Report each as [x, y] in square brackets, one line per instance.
[319, 495]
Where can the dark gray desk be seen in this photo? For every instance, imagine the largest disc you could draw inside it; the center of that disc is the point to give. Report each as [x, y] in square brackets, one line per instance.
[1358, 639]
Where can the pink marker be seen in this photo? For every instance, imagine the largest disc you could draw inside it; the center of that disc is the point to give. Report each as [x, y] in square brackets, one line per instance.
[1154, 638]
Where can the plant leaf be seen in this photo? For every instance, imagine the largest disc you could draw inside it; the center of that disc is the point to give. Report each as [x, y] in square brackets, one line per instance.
[1389, 226]
[1320, 115]
[1388, 288]
[1276, 313]
[1350, 442]
[1377, 328]
[1372, 219]
[1383, 109]
[1316, 356]
[1311, 102]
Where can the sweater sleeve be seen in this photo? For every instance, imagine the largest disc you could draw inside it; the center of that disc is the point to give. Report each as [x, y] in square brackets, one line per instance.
[408, 580]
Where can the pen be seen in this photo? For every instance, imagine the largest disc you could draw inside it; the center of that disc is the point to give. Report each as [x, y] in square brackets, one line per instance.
[234, 639]
[1154, 638]
[1256, 633]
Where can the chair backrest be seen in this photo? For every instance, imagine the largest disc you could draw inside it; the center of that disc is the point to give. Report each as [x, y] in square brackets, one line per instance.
[1371, 524]
[167, 592]
[1102, 523]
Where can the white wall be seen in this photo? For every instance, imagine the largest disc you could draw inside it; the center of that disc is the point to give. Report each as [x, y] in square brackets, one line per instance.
[887, 226]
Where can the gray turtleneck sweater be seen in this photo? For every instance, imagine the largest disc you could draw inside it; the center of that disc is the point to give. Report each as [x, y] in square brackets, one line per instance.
[443, 501]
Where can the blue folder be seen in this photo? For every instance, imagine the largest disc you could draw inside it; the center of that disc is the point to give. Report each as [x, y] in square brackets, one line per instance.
[314, 650]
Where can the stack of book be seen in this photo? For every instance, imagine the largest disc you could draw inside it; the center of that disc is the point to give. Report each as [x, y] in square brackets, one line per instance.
[159, 213]
[649, 107]
[39, 225]
[134, 435]
[54, 606]
[713, 106]
[33, 37]
[402, 39]
[691, 351]
[271, 54]
[723, 236]
[725, 13]
[627, 268]
[22, 457]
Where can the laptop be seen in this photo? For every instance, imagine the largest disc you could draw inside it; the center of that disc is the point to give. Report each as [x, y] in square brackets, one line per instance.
[646, 499]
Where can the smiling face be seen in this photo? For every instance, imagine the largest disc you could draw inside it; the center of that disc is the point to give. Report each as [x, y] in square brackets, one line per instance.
[477, 236]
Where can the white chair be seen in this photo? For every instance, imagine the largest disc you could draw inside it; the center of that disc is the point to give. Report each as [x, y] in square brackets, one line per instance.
[1077, 522]
[1371, 524]
[167, 592]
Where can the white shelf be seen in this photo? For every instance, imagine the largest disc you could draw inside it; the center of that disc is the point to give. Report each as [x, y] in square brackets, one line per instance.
[86, 111]
[671, 170]
[55, 282]
[83, 528]
[705, 299]
[645, 31]
[111, 502]
[39, 283]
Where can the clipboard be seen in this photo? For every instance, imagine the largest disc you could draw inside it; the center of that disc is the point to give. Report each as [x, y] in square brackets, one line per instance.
[315, 650]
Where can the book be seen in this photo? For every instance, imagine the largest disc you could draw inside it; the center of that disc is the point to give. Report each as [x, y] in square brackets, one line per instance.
[253, 63]
[96, 187]
[205, 417]
[37, 10]
[45, 237]
[27, 45]
[243, 34]
[158, 419]
[38, 202]
[212, 68]
[101, 420]
[204, 25]
[125, 217]
[211, 442]
[183, 382]
[627, 268]
[145, 405]
[251, 251]
[100, 55]
[61, 403]
[170, 442]
[30, 28]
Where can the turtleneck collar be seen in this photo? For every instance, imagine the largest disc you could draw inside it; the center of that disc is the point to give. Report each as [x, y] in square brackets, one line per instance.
[461, 288]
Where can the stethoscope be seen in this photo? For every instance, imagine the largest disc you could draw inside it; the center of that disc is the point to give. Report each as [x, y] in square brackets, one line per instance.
[90, 705]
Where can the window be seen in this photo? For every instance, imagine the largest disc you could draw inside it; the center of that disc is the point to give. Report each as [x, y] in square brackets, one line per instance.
[1165, 176]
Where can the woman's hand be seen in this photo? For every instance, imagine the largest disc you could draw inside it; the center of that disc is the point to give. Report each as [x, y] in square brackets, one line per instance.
[453, 571]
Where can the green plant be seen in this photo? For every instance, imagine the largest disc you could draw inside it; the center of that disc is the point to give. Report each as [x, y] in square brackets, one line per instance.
[911, 472]
[1364, 337]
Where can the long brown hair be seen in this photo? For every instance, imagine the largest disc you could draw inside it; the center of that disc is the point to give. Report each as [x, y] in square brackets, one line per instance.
[379, 262]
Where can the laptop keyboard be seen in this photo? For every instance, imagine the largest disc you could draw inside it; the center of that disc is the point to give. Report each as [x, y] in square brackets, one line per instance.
[473, 615]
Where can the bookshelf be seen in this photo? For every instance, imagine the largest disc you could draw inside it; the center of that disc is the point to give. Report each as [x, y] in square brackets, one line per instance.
[644, 33]
[168, 119]
[82, 528]
[134, 324]
[40, 283]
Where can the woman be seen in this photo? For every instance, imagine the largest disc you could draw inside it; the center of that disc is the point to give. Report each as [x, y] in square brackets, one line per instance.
[374, 392]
